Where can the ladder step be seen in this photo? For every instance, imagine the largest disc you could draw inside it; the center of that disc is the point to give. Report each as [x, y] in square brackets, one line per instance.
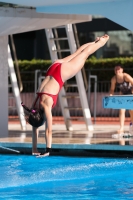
[71, 85]
[57, 39]
[76, 119]
[60, 27]
[62, 50]
[70, 96]
[72, 108]
[12, 107]
[11, 97]
[9, 85]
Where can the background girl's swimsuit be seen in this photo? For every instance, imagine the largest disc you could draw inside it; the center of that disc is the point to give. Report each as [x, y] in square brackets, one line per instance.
[124, 87]
[55, 71]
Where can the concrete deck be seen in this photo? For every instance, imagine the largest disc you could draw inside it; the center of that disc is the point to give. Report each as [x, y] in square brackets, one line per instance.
[79, 141]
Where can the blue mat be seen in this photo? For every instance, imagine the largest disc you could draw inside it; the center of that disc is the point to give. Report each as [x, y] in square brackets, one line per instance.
[118, 102]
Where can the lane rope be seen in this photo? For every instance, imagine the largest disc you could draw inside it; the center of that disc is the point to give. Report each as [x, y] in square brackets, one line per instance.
[9, 149]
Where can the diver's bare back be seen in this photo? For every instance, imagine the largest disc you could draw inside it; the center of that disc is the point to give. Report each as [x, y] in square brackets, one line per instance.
[49, 85]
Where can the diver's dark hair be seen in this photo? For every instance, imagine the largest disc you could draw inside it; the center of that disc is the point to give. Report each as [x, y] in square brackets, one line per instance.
[35, 117]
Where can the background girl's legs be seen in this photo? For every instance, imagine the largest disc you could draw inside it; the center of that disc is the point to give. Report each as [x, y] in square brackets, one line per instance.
[131, 115]
[122, 120]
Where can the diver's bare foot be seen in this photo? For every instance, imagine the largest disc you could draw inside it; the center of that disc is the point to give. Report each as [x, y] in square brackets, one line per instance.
[103, 39]
[97, 39]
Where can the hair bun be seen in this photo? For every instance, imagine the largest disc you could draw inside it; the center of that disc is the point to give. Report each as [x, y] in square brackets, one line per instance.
[36, 118]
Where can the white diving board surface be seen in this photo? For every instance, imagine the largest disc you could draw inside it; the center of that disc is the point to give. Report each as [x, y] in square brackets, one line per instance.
[118, 102]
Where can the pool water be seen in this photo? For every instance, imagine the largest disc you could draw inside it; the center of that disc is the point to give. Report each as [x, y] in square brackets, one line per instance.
[65, 178]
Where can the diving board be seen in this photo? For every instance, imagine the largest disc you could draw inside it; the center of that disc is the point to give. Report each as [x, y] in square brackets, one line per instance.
[118, 102]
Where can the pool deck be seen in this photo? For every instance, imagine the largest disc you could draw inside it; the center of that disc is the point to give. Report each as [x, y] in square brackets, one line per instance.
[77, 141]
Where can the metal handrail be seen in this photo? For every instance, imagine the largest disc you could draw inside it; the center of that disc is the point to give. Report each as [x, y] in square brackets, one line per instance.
[38, 79]
[16, 63]
[95, 93]
[78, 45]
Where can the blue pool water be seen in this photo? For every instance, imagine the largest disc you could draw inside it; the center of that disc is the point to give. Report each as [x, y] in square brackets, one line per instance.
[65, 178]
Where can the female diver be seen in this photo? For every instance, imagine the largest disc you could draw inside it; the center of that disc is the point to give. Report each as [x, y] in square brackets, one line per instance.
[59, 72]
